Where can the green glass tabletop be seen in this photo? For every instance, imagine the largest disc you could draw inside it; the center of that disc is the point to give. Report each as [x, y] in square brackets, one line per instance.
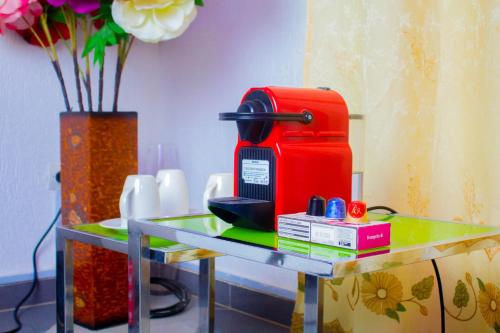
[405, 232]
[121, 235]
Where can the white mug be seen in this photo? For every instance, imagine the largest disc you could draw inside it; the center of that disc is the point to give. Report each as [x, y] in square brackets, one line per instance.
[174, 194]
[219, 185]
[139, 198]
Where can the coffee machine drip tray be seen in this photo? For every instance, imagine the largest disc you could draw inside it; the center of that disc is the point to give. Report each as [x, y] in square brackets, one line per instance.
[244, 212]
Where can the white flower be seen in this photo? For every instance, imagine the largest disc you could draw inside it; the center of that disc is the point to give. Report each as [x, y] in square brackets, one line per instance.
[153, 21]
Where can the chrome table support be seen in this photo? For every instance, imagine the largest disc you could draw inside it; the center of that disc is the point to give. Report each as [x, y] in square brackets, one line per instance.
[313, 311]
[206, 293]
[139, 285]
[64, 284]
[138, 280]
[67, 235]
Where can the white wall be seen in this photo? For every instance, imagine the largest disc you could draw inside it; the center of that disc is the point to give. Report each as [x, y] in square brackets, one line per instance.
[178, 87]
[231, 46]
[30, 102]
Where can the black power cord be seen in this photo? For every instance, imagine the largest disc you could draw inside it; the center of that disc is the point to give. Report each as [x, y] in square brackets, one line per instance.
[174, 287]
[436, 271]
[34, 282]
[389, 209]
[178, 290]
[441, 296]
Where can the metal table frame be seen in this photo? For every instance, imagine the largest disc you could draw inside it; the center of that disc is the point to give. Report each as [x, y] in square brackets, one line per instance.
[67, 235]
[315, 270]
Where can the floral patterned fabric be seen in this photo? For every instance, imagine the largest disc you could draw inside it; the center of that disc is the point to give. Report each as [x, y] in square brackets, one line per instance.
[426, 76]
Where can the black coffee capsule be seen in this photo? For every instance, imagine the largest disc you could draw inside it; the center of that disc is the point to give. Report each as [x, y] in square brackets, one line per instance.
[316, 206]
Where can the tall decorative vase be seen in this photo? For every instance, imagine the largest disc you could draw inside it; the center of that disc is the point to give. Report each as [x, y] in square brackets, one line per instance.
[98, 151]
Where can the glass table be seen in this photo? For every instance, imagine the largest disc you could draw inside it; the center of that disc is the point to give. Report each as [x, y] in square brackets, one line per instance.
[413, 240]
[161, 250]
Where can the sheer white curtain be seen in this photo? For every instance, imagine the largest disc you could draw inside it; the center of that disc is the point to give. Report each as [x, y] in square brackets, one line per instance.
[426, 76]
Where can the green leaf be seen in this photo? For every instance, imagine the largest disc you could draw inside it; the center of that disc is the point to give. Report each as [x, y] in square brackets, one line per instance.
[366, 276]
[115, 28]
[392, 314]
[199, 3]
[56, 15]
[481, 284]
[99, 54]
[97, 44]
[400, 307]
[108, 35]
[461, 297]
[89, 46]
[422, 289]
[105, 9]
[497, 328]
[337, 281]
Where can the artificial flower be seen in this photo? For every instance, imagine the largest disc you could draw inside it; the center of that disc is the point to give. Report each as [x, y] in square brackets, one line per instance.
[489, 304]
[98, 21]
[78, 6]
[381, 292]
[19, 14]
[153, 21]
[57, 31]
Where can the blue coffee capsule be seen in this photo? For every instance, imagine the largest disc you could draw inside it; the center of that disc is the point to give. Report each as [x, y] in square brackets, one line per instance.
[336, 209]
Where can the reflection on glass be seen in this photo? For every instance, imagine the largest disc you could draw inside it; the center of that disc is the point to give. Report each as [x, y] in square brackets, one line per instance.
[357, 143]
[157, 156]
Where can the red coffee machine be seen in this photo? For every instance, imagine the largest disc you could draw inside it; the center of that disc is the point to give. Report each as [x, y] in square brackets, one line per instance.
[293, 143]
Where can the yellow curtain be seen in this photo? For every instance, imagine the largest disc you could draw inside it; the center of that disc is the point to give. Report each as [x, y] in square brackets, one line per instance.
[426, 76]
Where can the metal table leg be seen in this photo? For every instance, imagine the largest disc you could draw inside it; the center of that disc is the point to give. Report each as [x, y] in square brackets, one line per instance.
[206, 292]
[139, 280]
[313, 311]
[64, 283]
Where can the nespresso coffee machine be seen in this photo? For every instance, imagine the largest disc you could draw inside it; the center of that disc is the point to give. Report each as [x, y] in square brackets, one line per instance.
[293, 144]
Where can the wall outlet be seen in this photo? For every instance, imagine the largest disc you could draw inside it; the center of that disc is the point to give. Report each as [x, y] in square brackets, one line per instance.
[52, 170]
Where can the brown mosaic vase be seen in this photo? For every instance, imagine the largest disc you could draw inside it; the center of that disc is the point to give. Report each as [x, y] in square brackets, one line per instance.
[98, 151]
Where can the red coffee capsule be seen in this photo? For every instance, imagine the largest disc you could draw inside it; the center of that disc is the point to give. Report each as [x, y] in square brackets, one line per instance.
[356, 211]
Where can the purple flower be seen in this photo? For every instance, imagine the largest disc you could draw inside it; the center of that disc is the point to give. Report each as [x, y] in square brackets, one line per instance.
[78, 6]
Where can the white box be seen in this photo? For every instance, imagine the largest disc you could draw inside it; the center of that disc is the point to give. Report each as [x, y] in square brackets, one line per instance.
[354, 236]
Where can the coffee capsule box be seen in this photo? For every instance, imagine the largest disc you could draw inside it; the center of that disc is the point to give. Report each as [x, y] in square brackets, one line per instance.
[322, 230]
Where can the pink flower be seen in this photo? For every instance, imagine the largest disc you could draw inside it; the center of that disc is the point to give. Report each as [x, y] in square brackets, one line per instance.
[19, 14]
[78, 6]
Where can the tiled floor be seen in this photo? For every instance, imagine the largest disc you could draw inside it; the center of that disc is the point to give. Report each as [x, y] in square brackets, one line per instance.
[41, 318]
[35, 318]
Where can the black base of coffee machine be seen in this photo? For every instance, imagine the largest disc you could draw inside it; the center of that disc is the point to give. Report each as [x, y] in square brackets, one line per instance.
[244, 212]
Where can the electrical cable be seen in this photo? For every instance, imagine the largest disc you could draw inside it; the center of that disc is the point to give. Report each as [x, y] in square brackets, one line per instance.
[171, 286]
[436, 271]
[441, 296]
[177, 289]
[34, 282]
[389, 209]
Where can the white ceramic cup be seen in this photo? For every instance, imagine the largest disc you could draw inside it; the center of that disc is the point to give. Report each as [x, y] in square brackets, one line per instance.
[139, 198]
[174, 193]
[219, 185]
